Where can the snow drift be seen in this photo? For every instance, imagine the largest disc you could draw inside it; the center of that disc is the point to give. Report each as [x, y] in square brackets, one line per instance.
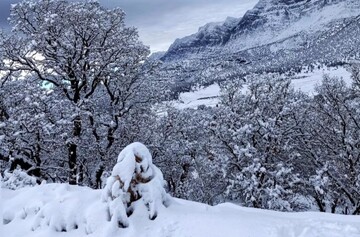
[70, 211]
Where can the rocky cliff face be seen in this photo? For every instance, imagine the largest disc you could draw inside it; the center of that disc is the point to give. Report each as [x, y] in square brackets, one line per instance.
[212, 34]
[283, 24]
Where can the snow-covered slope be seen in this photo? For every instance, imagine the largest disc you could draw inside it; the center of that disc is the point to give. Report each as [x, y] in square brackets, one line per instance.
[70, 211]
[304, 81]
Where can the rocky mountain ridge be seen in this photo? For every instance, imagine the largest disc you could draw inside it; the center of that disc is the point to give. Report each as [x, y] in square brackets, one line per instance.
[276, 36]
[288, 24]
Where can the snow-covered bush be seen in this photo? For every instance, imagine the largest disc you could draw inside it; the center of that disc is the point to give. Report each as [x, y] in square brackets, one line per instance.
[17, 179]
[134, 178]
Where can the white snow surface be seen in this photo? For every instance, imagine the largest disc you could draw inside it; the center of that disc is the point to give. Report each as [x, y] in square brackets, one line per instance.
[304, 81]
[72, 211]
[208, 95]
[307, 81]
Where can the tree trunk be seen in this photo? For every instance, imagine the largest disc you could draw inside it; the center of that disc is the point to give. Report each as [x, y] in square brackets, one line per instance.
[73, 151]
[72, 163]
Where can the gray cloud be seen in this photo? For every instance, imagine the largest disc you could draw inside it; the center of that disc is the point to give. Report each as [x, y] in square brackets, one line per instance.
[160, 22]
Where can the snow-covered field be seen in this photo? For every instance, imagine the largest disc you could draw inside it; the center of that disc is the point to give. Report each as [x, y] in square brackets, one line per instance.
[71, 211]
[204, 96]
[304, 81]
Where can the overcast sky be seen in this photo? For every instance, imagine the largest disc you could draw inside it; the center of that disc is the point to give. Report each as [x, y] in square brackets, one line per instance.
[160, 22]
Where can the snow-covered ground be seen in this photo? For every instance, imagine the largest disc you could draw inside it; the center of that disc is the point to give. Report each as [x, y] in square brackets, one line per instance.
[304, 81]
[204, 96]
[71, 211]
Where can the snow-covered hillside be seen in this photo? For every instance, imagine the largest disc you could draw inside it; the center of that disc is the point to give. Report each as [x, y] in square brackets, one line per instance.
[304, 81]
[70, 211]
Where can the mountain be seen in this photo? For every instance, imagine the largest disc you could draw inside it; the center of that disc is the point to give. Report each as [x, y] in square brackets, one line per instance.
[212, 34]
[275, 36]
[270, 21]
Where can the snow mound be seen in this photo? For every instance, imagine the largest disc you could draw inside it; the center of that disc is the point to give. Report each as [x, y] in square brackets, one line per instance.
[134, 179]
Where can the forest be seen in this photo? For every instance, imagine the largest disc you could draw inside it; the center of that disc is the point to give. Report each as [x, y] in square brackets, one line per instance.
[77, 86]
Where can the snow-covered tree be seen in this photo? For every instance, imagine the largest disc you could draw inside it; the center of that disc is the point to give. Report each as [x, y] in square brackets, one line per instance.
[330, 142]
[134, 179]
[95, 67]
[29, 128]
[186, 154]
[255, 127]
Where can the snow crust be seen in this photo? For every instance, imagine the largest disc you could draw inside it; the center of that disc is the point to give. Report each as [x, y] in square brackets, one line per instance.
[71, 211]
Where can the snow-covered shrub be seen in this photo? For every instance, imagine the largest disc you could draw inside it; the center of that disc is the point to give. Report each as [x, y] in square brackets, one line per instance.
[134, 178]
[17, 179]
